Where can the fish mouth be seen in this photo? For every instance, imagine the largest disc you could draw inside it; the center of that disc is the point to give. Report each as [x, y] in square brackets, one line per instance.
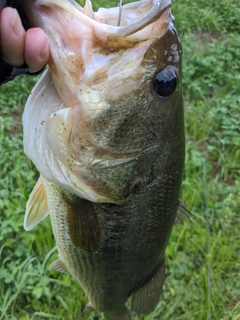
[122, 21]
[151, 11]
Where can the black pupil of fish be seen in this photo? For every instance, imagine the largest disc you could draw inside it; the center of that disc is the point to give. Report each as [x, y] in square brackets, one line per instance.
[165, 82]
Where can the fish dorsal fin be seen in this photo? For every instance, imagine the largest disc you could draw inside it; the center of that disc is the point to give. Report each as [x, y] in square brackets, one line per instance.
[37, 206]
[59, 266]
[145, 299]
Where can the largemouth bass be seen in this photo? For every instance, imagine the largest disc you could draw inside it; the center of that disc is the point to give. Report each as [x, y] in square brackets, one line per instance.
[104, 127]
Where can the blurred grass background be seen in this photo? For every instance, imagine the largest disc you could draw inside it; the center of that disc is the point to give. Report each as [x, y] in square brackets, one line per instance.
[203, 256]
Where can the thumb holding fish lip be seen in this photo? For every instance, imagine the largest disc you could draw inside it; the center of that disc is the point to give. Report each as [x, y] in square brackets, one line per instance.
[19, 46]
[36, 49]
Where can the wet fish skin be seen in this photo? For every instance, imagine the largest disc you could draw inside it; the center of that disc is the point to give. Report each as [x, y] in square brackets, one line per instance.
[110, 161]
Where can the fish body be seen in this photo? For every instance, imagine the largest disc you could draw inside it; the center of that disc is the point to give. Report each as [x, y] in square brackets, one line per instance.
[104, 127]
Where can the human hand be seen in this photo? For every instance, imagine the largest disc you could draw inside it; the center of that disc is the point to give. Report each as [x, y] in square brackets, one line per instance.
[19, 46]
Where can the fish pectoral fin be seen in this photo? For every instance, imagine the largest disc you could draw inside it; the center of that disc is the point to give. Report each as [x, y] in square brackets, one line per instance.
[145, 299]
[59, 266]
[182, 212]
[37, 206]
[82, 223]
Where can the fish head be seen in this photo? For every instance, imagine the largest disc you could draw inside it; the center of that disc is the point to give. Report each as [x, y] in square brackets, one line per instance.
[117, 87]
[89, 52]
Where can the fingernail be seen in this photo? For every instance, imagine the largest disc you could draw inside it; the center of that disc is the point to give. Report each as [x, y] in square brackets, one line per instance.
[16, 24]
[45, 52]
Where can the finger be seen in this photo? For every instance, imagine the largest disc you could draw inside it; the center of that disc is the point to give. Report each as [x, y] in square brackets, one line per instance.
[36, 49]
[12, 37]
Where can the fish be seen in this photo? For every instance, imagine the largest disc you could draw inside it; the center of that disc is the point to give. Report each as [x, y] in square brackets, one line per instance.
[104, 127]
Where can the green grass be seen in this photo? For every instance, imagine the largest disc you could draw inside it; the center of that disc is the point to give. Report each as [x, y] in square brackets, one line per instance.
[198, 251]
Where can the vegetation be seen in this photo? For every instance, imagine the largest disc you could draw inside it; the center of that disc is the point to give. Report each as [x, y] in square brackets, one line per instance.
[203, 256]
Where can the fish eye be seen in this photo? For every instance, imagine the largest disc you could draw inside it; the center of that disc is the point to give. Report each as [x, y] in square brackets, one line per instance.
[165, 81]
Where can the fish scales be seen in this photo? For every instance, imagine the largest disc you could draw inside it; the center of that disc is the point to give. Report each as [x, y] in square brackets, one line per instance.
[118, 244]
[104, 127]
